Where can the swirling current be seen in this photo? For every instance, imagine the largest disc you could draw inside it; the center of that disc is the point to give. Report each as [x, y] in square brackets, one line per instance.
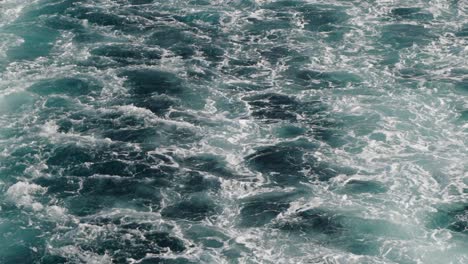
[235, 131]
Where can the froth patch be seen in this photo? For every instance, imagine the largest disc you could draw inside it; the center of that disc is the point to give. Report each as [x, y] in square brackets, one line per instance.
[22, 194]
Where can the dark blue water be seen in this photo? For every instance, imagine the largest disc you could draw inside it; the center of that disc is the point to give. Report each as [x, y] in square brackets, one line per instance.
[206, 131]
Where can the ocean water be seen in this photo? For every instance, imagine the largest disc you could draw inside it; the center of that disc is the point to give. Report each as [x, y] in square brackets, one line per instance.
[235, 131]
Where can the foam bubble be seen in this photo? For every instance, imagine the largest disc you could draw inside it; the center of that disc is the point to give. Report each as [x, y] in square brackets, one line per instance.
[22, 194]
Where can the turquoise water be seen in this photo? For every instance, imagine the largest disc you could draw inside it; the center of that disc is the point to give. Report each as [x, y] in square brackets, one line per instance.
[242, 131]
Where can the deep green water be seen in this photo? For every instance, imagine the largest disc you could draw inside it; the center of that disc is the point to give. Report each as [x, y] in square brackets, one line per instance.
[241, 131]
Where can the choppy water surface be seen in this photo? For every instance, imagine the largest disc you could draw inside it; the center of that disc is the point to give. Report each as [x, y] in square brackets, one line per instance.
[208, 131]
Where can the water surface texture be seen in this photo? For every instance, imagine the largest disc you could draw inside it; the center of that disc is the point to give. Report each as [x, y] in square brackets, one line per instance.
[236, 131]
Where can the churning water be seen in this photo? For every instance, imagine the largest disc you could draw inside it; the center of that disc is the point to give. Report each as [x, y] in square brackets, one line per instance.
[235, 131]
